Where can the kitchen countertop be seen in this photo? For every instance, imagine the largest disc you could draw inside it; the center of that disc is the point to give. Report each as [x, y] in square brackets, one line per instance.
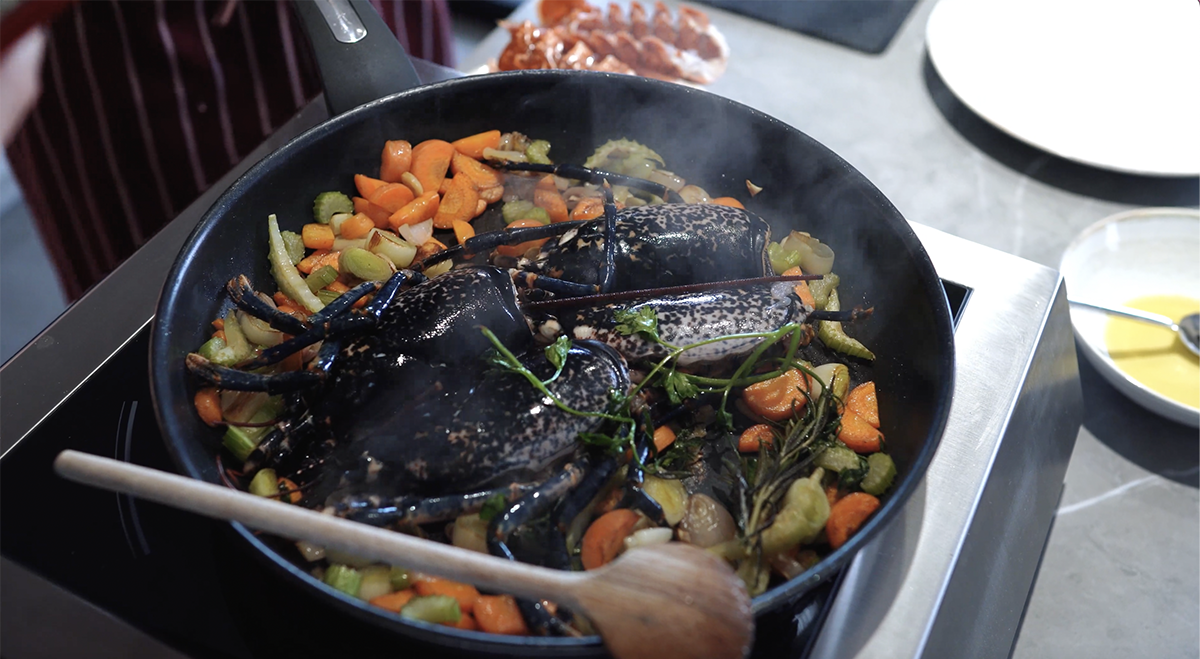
[1120, 575]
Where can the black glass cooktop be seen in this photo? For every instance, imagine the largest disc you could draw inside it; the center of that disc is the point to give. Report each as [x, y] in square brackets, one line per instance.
[188, 581]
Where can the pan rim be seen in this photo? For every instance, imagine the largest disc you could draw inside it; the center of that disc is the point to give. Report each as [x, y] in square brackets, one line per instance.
[930, 289]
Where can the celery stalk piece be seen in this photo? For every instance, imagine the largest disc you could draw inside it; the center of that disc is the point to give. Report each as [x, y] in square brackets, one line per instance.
[294, 244]
[286, 275]
[241, 441]
[400, 578]
[235, 338]
[881, 469]
[344, 578]
[328, 204]
[431, 608]
[376, 581]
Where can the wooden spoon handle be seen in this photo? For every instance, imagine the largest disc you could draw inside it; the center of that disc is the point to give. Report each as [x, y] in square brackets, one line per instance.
[298, 523]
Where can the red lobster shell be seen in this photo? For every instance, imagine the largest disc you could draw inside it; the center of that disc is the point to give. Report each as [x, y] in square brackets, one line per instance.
[577, 35]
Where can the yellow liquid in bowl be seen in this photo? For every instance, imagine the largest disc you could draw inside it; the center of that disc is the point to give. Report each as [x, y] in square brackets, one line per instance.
[1154, 355]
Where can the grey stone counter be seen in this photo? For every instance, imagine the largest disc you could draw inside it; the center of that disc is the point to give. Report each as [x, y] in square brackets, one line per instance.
[1120, 576]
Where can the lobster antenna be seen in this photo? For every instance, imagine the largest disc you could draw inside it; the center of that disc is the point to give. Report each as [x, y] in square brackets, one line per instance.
[604, 298]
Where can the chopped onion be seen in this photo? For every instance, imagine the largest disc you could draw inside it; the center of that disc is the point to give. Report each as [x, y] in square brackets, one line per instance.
[753, 189]
[694, 194]
[819, 260]
[497, 154]
[309, 551]
[706, 522]
[258, 331]
[390, 246]
[417, 234]
[670, 179]
[660, 535]
[438, 268]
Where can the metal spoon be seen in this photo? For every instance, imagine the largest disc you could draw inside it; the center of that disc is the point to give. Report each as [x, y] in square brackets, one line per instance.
[671, 601]
[1188, 328]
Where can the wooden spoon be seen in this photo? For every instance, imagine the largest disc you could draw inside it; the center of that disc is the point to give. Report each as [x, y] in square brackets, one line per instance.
[657, 602]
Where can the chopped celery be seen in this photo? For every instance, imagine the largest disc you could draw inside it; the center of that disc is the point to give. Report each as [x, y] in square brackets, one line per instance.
[328, 204]
[321, 277]
[286, 275]
[835, 338]
[265, 484]
[327, 295]
[537, 213]
[838, 458]
[515, 210]
[376, 581]
[235, 338]
[431, 608]
[880, 472]
[364, 265]
[241, 441]
[215, 351]
[821, 287]
[294, 244]
[400, 578]
[538, 152]
[782, 258]
[344, 578]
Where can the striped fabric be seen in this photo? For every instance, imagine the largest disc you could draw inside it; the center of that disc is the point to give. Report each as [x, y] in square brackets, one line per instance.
[146, 103]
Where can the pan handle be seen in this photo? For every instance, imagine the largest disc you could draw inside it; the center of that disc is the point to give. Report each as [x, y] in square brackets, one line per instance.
[359, 58]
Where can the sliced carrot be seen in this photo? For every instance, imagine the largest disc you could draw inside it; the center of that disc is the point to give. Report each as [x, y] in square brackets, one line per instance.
[553, 202]
[801, 287]
[337, 287]
[861, 400]
[289, 492]
[847, 515]
[858, 434]
[832, 493]
[465, 593]
[588, 208]
[416, 211]
[280, 299]
[208, 405]
[394, 601]
[372, 210]
[755, 437]
[517, 250]
[463, 231]
[605, 537]
[728, 201]
[458, 204]
[492, 195]
[778, 398]
[396, 159]
[391, 197]
[220, 334]
[219, 324]
[480, 206]
[317, 236]
[445, 187]
[663, 437]
[357, 226]
[481, 175]
[430, 160]
[498, 614]
[323, 258]
[547, 182]
[366, 185]
[474, 145]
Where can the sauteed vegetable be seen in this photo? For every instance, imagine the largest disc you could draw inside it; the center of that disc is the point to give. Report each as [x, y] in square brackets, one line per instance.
[618, 366]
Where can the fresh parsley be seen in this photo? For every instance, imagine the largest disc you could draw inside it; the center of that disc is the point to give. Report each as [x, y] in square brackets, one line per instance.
[639, 320]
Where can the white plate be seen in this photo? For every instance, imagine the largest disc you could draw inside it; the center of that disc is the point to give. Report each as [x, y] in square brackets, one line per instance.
[1150, 251]
[1109, 83]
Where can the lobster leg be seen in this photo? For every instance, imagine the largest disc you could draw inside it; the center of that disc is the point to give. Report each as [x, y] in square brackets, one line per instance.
[238, 380]
[596, 176]
[486, 242]
[246, 298]
[412, 510]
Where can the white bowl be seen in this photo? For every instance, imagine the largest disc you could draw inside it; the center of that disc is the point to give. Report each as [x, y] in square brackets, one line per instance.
[1149, 251]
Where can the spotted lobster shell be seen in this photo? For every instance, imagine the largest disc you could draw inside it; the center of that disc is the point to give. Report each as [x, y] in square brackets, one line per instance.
[577, 35]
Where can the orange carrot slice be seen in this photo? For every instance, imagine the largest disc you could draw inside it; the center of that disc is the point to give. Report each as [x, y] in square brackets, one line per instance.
[861, 400]
[847, 515]
[430, 160]
[858, 434]
[357, 226]
[416, 211]
[605, 537]
[778, 398]
[317, 236]
[396, 159]
[498, 614]
[481, 175]
[394, 601]
[372, 210]
[474, 145]
[458, 204]
[391, 196]
[517, 250]
[463, 231]
[755, 437]
[553, 202]
[663, 437]
[728, 201]
[465, 593]
[588, 208]
[208, 405]
[801, 287]
[366, 185]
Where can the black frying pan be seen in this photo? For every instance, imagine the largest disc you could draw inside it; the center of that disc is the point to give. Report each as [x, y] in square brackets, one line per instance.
[709, 140]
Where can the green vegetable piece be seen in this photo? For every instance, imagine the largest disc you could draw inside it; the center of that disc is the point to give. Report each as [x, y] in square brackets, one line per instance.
[679, 387]
[638, 320]
[515, 210]
[400, 578]
[215, 351]
[432, 608]
[235, 339]
[265, 483]
[328, 204]
[833, 336]
[327, 295]
[782, 258]
[294, 244]
[838, 458]
[364, 265]
[376, 581]
[538, 213]
[538, 152]
[880, 472]
[241, 441]
[320, 278]
[802, 517]
[287, 277]
[821, 287]
[344, 578]
[346, 558]
[624, 157]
